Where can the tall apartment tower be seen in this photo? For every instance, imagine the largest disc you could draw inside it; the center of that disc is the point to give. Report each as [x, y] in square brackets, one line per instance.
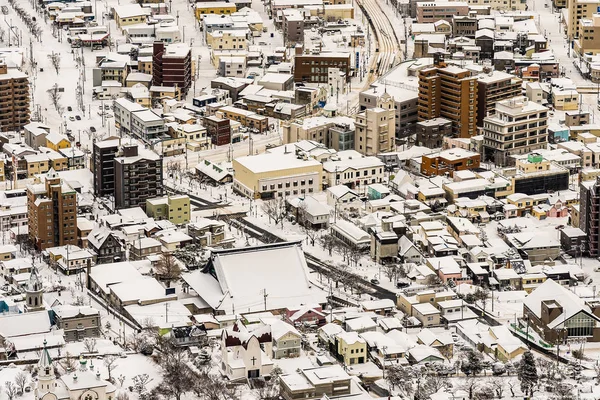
[103, 166]
[172, 66]
[14, 99]
[52, 212]
[492, 87]
[449, 92]
[589, 213]
[375, 128]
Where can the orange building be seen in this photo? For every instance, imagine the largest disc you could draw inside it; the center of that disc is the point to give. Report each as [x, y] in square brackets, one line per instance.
[449, 161]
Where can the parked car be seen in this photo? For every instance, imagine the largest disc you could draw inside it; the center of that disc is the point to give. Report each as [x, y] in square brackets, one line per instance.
[69, 108]
[375, 281]
[92, 129]
[71, 118]
[78, 118]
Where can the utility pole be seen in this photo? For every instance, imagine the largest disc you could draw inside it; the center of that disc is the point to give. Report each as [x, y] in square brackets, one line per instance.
[265, 298]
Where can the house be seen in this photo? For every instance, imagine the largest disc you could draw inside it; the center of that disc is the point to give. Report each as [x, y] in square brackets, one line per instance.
[172, 240]
[144, 247]
[244, 352]
[556, 314]
[342, 198]
[350, 234]
[406, 302]
[384, 242]
[360, 324]
[287, 341]
[427, 314]
[77, 322]
[351, 348]
[381, 307]
[70, 258]
[105, 244]
[440, 341]
[316, 383]
[408, 252]
[327, 334]
[8, 252]
[141, 291]
[507, 278]
[305, 315]
[309, 212]
[422, 354]
[508, 346]
[454, 310]
[206, 232]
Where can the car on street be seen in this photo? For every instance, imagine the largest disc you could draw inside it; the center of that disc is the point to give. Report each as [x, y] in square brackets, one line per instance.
[78, 118]
[69, 108]
[375, 281]
[71, 118]
[92, 129]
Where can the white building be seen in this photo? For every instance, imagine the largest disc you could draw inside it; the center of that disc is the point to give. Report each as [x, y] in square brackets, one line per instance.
[352, 169]
[241, 354]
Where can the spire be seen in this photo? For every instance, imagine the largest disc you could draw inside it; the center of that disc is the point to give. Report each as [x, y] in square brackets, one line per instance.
[35, 283]
[45, 359]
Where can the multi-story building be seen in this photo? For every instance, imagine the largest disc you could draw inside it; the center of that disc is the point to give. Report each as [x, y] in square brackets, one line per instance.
[172, 66]
[14, 99]
[431, 133]
[588, 37]
[428, 12]
[293, 25]
[103, 166]
[501, 5]
[449, 92]
[247, 118]
[123, 109]
[589, 213]
[405, 105]
[213, 7]
[519, 126]
[493, 87]
[578, 10]
[314, 68]
[374, 128]
[353, 170]
[148, 126]
[172, 208]
[335, 133]
[52, 212]
[218, 129]
[449, 161]
[270, 175]
[138, 176]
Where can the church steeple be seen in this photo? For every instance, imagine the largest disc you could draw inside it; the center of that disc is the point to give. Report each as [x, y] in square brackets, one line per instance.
[34, 292]
[46, 378]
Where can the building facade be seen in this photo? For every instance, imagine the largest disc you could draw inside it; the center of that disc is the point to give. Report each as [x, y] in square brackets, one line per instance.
[14, 99]
[172, 66]
[589, 213]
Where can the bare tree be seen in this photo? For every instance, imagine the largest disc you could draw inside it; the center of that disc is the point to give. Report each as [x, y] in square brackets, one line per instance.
[21, 381]
[121, 380]
[471, 386]
[167, 268]
[178, 377]
[328, 242]
[137, 341]
[55, 97]
[110, 362]
[275, 210]
[512, 384]
[68, 363]
[391, 271]
[498, 385]
[10, 389]
[140, 383]
[55, 60]
[90, 345]
[122, 396]
[211, 387]
[400, 378]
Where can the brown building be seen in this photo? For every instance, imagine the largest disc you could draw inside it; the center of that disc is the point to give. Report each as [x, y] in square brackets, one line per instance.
[219, 130]
[589, 213]
[314, 67]
[52, 212]
[431, 133]
[78, 322]
[449, 92]
[449, 161]
[434, 11]
[172, 66]
[14, 99]
[492, 87]
[138, 176]
[293, 25]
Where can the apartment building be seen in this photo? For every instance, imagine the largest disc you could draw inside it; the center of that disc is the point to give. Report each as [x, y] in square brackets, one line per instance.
[374, 129]
[293, 25]
[213, 7]
[172, 66]
[218, 129]
[519, 126]
[138, 176]
[405, 105]
[52, 212]
[430, 12]
[171, 208]
[449, 92]
[578, 10]
[270, 175]
[148, 126]
[334, 132]
[492, 87]
[589, 213]
[314, 68]
[130, 14]
[247, 118]
[431, 132]
[14, 99]
[588, 37]
[501, 5]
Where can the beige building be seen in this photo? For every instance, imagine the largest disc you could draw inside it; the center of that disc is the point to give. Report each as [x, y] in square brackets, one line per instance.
[271, 175]
[227, 40]
[578, 10]
[588, 37]
[375, 130]
[130, 14]
[173, 208]
[506, 5]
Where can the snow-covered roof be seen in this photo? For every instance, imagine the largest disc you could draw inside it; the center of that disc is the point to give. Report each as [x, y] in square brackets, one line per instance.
[361, 323]
[141, 289]
[24, 324]
[241, 277]
[69, 311]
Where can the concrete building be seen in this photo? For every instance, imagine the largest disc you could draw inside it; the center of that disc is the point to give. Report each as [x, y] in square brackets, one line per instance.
[306, 69]
[171, 208]
[493, 87]
[588, 36]
[172, 66]
[52, 212]
[578, 10]
[293, 25]
[218, 129]
[271, 175]
[405, 105]
[429, 12]
[148, 126]
[589, 213]
[352, 169]
[336, 132]
[374, 129]
[431, 133]
[14, 99]
[79, 322]
[449, 161]
[138, 176]
[449, 92]
[519, 126]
